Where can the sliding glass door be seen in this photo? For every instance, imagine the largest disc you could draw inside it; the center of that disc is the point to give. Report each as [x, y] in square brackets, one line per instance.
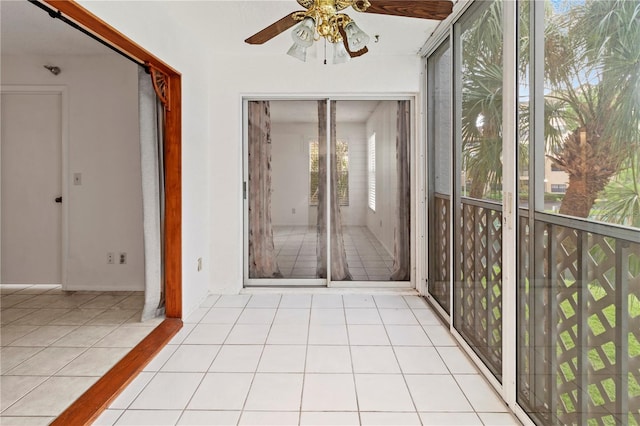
[478, 203]
[321, 208]
[439, 172]
[545, 276]
[281, 199]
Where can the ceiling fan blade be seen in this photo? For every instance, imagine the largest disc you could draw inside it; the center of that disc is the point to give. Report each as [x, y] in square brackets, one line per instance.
[273, 30]
[425, 9]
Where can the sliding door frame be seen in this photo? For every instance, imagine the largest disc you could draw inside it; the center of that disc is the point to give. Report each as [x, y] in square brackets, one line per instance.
[416, 229]
[450, 31]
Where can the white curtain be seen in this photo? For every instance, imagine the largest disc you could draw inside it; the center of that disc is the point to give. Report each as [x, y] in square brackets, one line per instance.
[151, 115]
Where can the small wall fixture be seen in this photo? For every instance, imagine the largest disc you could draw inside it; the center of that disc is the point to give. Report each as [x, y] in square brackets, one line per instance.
[53, 69]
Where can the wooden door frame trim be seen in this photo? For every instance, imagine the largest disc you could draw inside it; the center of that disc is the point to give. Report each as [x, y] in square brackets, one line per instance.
[86, 409]
[89, 405]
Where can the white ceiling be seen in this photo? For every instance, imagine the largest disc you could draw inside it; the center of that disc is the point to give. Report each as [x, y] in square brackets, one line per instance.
[224, 25]
[27, 30]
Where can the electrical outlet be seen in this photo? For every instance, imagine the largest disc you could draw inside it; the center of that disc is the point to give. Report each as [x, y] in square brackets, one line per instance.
[293, 211]
[199, 264]
[110, 258]
[123, 258]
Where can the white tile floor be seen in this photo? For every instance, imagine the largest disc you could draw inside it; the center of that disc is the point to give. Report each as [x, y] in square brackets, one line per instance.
[302, 359]
[54, 345]
[367, 258]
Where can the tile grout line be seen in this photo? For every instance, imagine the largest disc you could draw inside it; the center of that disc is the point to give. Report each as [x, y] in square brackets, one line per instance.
[306, 358]
[393, 349]
[255, 373]
[204, 375]
[353, 370]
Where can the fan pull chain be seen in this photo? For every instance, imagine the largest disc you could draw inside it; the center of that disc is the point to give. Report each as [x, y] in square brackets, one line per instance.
[325, 51]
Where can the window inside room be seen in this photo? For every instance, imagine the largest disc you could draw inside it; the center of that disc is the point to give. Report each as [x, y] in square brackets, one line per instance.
[342, 163]
[371, 175]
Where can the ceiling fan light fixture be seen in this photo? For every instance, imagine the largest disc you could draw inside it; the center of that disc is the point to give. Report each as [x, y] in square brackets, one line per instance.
[340, 54]
[356, 38]
[324, 19]
[298, 51]
[304, 33]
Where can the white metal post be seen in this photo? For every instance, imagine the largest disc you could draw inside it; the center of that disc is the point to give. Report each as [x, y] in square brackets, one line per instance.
[509, 199]
[328, 190]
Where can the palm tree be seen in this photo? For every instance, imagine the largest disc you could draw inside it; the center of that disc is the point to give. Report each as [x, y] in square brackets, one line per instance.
[620, 200]
[592, 101]
[594, 76]
[482, 101]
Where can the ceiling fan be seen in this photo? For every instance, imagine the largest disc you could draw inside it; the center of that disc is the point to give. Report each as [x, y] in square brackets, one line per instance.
[322, 19]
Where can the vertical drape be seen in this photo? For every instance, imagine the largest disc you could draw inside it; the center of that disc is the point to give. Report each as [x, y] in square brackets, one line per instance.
[262, 256]
[402, 243]
[151, 117]
[339, 267]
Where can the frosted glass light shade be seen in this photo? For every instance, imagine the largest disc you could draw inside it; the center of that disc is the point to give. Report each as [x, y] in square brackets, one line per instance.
[340, 55]
[298, 51]
[303, 33]
[356, 38]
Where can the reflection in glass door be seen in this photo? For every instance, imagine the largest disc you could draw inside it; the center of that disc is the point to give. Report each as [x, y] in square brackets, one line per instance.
[327, 192]
[374, 204]
[282, 228]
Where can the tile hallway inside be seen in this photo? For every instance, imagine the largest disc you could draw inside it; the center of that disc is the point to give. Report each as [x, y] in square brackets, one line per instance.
[54, 345]
[367, 258]
[302, 359]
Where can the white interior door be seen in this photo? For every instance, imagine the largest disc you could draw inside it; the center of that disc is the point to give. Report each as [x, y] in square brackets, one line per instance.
[31, 180]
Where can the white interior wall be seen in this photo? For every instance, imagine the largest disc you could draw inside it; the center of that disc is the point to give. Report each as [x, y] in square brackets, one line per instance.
[105, 211]
[278, 75]
[290, 173]
[212, 126]
[381, 222]
[165, 28]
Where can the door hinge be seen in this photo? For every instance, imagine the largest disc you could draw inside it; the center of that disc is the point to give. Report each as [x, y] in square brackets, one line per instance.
[244, 190]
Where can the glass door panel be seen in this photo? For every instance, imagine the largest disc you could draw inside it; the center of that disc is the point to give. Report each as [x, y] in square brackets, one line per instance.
[439, 151]
[578, 297]
[282, 167]
[370, 178]
[478, 200]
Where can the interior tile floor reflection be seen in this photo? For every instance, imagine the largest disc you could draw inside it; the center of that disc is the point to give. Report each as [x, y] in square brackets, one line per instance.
[367, 258]
[310, 359]
[54, 345]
